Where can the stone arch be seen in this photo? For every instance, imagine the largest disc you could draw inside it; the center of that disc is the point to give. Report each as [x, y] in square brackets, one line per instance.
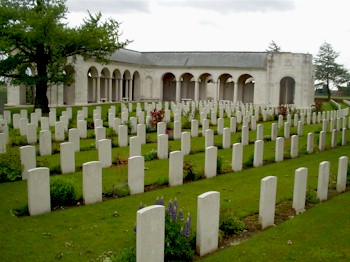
[69, 89]
[104, 85]
[116, 86]
[187, 86]
[245, 87]
[27, 93]
[92, 78]
[226, 87]
[169, 87]
[136, 87]
[126, 85]
[287, 89]
[203, 85]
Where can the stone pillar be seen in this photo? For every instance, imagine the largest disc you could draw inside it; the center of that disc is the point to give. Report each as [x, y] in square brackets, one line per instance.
[267, 201]
[237, 157]
[130, 90]
[178, 91]
[150, 234]
[38, 187]
[342, 173]
[105, 152]
[208, 213]
[176, 159]
[28, 159]
[185, 143]
[196, 91]
[299, 192]
[258, 153]
[211, 155]
[98, 91]
[323, 178]
[162, 146]
[67, 158]
[92, 182]
[109, 89]
[136, 175]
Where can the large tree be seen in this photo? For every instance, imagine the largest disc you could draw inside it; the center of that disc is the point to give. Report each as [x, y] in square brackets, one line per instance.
[34, 34]
[328, 73]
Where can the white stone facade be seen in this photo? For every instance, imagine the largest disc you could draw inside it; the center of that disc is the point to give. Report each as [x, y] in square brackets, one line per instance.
[250, 77]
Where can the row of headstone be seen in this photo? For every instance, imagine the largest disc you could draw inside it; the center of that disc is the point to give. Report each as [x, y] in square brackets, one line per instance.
[150, 239]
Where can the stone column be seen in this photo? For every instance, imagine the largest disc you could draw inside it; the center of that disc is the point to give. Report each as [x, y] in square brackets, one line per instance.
[196, 91]
[110, 90]
[130, 90]
[178, 91]
[120, 89]
[98, 90]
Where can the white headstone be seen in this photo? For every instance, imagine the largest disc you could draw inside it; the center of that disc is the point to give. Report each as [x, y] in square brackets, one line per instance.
[45, 143]
[92, 182]
[32, 136]
[73, 136]
[59, 131]
[141, 133]
[100, 133]
[294, 146]
[323, 179]
[258, 153]
[162, 146]
[245, 135]
[237, 157]
[136, 174]
[185, 143]
[310, 143]
[176, 168]
[38, 187]
[105, 152]
[299, 191]
[67, 158]
[177, 130]
[150, 234]
[82, 128]
[322, 141]
[211, 155]
[28, 159]
[342, 173]
[135, 146]
[208, 213]
[122, 136]
[267, 201]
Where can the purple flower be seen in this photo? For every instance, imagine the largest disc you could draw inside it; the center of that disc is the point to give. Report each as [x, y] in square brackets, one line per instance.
[181, 215]
[173, 214]
[161, 201]
[186, 230]
[135, 229]
[175, 203]
[170, 208]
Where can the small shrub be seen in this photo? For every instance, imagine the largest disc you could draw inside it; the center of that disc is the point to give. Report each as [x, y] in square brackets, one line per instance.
[21, 212]
[63, 193]
[311, 196]
[120, 161]
[282, 110]
[156, 116]
[230, 224]
[10, 166]
[121, 190]
[189, 172]
[219, 164]
[250, 161]
[152, 155]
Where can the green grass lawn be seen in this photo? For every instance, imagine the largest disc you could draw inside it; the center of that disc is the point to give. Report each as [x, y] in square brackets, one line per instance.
[83, 233]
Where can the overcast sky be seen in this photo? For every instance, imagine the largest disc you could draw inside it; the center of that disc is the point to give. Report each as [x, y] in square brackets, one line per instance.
[299, 26]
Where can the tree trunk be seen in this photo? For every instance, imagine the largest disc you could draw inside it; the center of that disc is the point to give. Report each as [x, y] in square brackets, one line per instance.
[41, 100]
